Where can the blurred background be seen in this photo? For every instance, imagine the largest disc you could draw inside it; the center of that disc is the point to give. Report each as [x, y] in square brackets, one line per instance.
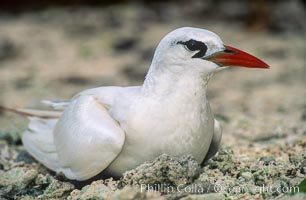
[55, 49]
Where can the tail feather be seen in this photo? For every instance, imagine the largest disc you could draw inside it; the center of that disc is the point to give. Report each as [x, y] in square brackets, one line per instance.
[16, 111]
[38, 139]
[56, 105]
[42, 148]
[33, 112]
[41, 113]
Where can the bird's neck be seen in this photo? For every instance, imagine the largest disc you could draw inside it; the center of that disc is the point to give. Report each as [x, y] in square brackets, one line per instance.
[167, 84]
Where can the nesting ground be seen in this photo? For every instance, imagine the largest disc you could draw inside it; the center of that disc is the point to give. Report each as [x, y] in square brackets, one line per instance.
[56, 53]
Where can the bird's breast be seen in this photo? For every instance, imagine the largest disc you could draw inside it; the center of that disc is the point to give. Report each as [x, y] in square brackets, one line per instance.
[164, 126]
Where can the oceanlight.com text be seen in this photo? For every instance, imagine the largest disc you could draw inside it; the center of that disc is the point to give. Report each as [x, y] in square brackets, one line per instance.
[219, 188]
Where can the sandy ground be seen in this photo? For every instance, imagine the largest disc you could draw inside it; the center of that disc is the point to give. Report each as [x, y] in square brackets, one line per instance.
[57, 53]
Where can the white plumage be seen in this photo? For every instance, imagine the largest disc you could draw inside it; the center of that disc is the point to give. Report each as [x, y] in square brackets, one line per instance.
[114, 129]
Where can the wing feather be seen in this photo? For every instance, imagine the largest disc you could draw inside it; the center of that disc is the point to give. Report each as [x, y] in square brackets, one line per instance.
[87, 138]
[78, 137]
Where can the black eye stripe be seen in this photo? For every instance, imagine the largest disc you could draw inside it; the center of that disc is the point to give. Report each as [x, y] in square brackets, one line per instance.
[194, 45]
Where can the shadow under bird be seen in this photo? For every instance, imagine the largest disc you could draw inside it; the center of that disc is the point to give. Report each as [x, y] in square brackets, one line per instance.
[115, 129]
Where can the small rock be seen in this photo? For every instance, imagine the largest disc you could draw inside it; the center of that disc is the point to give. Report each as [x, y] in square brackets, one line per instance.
[6, 154]
[297, 159]
[223, 161]
[295, 181]
[163, 171]
[265, 174]
[278, 186]
[246, 175]
[134, 193]
[23, 156]
[57, 189]
[267, 159]
[17, 178]
[42, 179]
[96, 190]
[5, 190]
[32, 191]
[13, 137]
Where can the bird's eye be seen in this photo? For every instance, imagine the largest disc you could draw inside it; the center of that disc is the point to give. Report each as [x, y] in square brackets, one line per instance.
[194, 45]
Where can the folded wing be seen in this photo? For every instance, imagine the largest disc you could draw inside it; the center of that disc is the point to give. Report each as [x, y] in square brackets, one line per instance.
[81, 143]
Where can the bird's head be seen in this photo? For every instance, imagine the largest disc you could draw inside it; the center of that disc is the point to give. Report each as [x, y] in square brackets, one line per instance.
[194, 50]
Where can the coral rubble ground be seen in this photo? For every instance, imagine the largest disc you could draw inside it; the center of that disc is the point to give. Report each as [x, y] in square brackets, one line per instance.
[263, 112]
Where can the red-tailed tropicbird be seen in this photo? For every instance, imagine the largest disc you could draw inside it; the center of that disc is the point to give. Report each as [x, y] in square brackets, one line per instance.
[114, 129]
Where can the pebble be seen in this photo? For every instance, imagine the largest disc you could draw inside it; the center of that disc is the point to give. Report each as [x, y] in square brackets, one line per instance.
[247, 175]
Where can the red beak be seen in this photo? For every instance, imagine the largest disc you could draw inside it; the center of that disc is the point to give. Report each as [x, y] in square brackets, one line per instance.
[235, 57]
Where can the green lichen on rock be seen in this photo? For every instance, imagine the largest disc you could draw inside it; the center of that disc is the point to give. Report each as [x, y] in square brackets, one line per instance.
[27, 183]
[96, 190]
[298, 159]
[7, 154]
[57, 189]
[224, 161]
[257, 176]
[265, 174]
[16, 179]
[12, 137]
[267, 159]
[143, 181]
[163, 171]
[134, 193]
[246, 175]
[268, 173]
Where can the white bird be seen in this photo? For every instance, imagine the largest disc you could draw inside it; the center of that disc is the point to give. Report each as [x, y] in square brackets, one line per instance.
[114, 129]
